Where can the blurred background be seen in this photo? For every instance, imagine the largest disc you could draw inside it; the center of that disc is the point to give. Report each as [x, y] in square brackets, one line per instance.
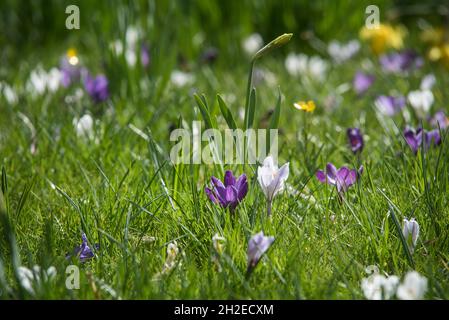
[186, 27]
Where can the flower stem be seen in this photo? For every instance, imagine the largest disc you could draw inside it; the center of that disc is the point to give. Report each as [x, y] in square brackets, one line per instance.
[269, 208]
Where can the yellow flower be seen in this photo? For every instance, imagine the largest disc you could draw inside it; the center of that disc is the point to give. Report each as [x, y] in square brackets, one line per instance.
[440, 53]
[72, 57]
[439, 46]
[383, 37]
[308, 106]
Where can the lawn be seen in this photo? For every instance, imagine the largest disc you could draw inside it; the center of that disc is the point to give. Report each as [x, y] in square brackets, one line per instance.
[96, 203]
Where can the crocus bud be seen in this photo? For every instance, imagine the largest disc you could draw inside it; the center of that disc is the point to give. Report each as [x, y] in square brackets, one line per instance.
[257, 246]
[411, 233]
[276, 43]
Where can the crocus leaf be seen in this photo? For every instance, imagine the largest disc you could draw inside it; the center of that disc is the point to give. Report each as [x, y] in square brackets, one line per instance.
[226, 113]
[251, 109]
[204, 111]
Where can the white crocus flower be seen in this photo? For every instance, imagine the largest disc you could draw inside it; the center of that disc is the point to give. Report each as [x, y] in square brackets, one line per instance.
[132, 36]
[252, 44]
[428, 82]
[296, 64]
[272, 179]
[84, 126]
[181, 79]
[8, 93]
[410, 231]
[301, 65]
[413, 287]
[340, 52]
[30, 279]
[421, 101]
[40, 80]
[53, 79]
[37, 81]
[379, 287]
[131, 57]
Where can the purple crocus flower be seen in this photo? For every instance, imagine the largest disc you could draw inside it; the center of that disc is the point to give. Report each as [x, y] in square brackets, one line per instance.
[439, 120]
[390, 105]
[421, 137]
[257, 246]
[97, 87]
[355, 139]
[230, 193]
[362, 82]
[145, 57]
[342, 178]
[83, 252]
[70, 73]
[401, 61]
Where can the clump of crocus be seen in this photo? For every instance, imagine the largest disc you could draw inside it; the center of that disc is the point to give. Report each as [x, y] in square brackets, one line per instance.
[379, 287]
[300, 65]
[32, 279]
[83, 251]
[410, 231]
[257, 246]
[355, 139]
[342, 178]
[272, 179]
[97, 87]
[308, 106]
[362, 82]
[400, 62]
[389, 105]
[230, 193]
[421, 137]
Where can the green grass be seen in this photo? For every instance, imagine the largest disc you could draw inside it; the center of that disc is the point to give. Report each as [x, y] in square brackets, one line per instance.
[123, 188]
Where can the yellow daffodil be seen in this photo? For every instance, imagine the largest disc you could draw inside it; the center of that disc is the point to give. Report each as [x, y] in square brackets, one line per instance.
[308, 106]
[383, 37]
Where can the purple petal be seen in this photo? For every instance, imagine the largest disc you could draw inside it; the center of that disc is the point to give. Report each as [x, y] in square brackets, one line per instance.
[355, 139]
[216, 183]
[321, 176]
[211, 195]
[331, 171]
[435, 136]
[362, 82]
[229, 179]
[351, 178]
[411, 140]
[242, 187]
